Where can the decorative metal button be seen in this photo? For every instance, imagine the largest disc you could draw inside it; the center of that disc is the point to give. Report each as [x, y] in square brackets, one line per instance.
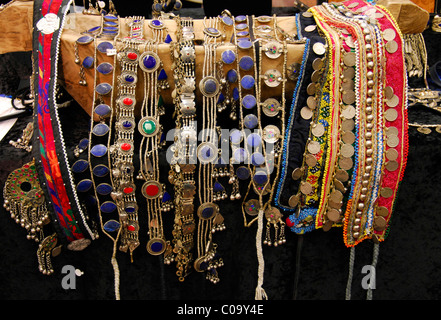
[207, 210]
[252, 207]
[151, 189]
[149, 61]
[213, 32]
[148, 126]
[156, 246]
[209, 86]
[272, 78]
[273, 49]
[271, 134]
[207, 152]
[270, 107]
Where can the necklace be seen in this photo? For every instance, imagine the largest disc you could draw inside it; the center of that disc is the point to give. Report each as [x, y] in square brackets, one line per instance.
[182, 172]
[208, 259]
[122, 150]
[150, 129]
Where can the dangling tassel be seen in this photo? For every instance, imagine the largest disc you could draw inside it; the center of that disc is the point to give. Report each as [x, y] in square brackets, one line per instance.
[44, 254]
[374, 264]
[351, 273]
[115, 272]
[260, 292]
[274, 218]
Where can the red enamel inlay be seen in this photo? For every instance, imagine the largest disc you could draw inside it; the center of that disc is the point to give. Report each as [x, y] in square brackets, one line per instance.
[152, 190]
[126, 147]
[132, 55]
[127, 101]
[128, 190]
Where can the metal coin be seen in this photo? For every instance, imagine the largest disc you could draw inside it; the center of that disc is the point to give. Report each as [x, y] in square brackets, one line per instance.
[348, 137]
[391, 46]
[339, 186]
[335, 205]
[314, 147]
[327, 225]
[349, 73]
[310, 28]
[392, 165]
[389, 34]
[348, 125]
[348, 112]
[378, 15]
[311, 102]
[317, 64]
[348, 85]
[348, 97]
[319, 48]
[307, 14]
[306, 188]
[345, 163]
[293, 201]
[316, 75]
[352, 5]
[349, 59]
[350, 42]
[306, 113]
[370, 11]
[318, 129]
[342, 175]
[333, 215]
[392, 154]
[388, 92]
[391, 115]
[386, 192]
[310, 160]
[393, 101]
[297, 173]
[391, 131]
[393, 141]
[311, 89]
[347, 150]
[336, 196]
[382, 211]
[380, 223]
